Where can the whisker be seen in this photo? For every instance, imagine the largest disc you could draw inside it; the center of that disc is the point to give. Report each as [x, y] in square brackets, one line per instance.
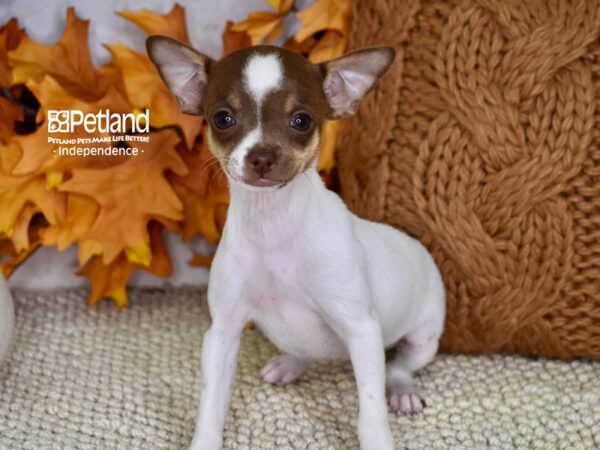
[217, 173]
[207, 166]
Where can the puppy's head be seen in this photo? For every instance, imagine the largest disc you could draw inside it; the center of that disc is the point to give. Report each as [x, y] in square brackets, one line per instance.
[265, 105]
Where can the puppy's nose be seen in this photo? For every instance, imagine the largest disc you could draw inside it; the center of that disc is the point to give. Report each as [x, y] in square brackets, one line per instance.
[261, 161]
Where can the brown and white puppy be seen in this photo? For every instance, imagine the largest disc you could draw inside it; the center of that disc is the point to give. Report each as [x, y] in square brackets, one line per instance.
[320, 282]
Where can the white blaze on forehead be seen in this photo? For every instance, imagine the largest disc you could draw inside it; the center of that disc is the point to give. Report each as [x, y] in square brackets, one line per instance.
[262, 73]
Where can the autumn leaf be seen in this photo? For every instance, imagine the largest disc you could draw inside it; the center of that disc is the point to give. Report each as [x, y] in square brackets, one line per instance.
[110, 280]
[204, 193]
[37, 154]
[9, 114]
[261, 25]
[200, 260]
[330, 46]
[328, 145]
[129, 196]
[145, 89]
[304, 47]
[15, 259]
[25, 240]
[9, 157]
[234, 40]
[68, 62]
[17, 192]
[20, 235]
[267, 26]
[323, 15]
[80, 213]
[275, 3]
[10, 37]
[171, 24]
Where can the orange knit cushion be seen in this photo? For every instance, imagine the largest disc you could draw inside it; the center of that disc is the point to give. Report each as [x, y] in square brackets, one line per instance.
[484, 143]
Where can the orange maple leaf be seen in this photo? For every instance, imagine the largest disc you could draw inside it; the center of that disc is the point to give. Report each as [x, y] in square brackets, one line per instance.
[129, 196]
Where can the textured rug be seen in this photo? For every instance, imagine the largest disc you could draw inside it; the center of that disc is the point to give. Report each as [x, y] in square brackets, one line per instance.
[98, 378]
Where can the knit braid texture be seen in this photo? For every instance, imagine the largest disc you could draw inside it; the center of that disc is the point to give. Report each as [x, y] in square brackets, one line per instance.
[483, 142]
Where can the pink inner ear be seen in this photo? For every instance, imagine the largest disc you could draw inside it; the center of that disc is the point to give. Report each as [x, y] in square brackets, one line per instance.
[339, 94]
[193, 88]
[188, 84]
[333, 84]
[333, 88]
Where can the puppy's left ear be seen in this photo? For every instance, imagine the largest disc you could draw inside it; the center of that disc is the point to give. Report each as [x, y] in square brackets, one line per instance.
[348, 78]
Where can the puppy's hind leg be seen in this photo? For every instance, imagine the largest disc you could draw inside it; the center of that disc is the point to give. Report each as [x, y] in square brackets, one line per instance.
[283, 369]
[414, 351]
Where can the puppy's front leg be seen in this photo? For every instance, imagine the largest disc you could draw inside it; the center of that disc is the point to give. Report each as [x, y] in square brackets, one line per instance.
[219, 361]
[365, 347]
[219, 356]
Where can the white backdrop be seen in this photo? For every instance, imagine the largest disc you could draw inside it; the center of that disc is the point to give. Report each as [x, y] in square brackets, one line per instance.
[45, 22]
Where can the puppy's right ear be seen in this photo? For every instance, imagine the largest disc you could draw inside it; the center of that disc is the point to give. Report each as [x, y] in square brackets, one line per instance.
[183, 69]
[348, 78]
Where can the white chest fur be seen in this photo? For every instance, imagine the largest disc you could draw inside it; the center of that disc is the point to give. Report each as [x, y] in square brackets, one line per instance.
[271, 248]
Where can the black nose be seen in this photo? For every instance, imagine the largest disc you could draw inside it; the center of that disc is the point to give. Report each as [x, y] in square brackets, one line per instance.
[261, 161]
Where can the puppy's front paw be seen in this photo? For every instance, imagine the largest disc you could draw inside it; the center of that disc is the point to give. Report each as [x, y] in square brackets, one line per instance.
[209, 438]
[406, 400]
[283, 369]
[206, 444]
[375, 435]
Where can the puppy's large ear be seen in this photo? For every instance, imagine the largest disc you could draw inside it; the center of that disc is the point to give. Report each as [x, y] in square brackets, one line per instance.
[348, 78]
[183, 69]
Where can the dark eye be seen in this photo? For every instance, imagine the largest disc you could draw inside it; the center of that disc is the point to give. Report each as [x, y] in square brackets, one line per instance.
[301, 122]
[223, 120]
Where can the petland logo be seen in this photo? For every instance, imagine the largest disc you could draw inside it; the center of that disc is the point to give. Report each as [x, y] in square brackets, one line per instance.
[68, 120]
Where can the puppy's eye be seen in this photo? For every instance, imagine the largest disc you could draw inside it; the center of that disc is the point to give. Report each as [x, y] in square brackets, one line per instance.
[223, 120]
[301, 122]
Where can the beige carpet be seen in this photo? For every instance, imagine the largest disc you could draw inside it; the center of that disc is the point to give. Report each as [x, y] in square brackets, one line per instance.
[98, 378]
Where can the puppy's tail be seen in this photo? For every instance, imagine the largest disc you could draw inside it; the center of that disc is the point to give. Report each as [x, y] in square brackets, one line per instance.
[7, 320]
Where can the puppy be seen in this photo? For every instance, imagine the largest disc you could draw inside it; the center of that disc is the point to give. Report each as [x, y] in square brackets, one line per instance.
[320, 282]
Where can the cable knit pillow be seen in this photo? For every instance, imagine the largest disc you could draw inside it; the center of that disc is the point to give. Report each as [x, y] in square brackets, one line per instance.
[484, 143]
